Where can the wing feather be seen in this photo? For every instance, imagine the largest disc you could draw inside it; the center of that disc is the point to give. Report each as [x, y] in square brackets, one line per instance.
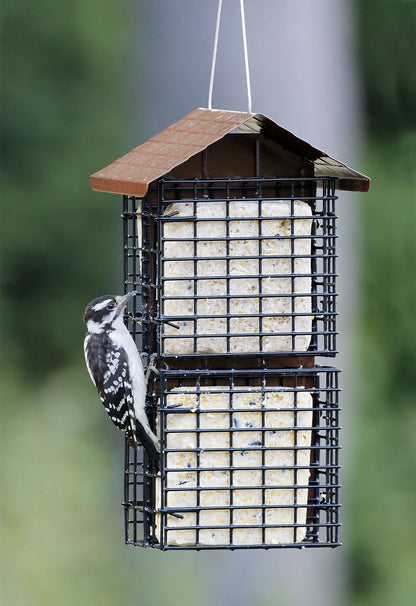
[95, 348]
[109, 370]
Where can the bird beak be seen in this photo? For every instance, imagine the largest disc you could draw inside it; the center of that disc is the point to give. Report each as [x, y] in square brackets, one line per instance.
[122, 301]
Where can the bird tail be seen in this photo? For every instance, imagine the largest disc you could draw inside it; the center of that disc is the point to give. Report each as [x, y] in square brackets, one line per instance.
[147, 442]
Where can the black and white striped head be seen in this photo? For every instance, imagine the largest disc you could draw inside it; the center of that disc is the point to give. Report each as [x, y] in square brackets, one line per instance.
[106, 312]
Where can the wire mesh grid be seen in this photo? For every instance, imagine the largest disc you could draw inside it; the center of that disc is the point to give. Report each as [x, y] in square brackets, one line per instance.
[250, 459]
[232, 267]
[235, 274]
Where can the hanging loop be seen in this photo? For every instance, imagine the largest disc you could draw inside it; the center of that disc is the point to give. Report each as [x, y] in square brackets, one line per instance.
[214, 54]
[243, 29]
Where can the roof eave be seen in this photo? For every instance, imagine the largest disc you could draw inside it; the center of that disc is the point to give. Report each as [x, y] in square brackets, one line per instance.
[357, 185]
[115, 186]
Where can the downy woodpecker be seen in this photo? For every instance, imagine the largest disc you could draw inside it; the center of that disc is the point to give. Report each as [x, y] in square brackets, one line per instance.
[116, 369]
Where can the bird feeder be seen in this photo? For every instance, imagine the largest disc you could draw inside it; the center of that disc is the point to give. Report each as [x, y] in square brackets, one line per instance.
[230, 236]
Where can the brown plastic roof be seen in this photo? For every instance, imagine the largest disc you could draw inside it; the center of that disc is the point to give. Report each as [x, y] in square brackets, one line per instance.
[132, 173]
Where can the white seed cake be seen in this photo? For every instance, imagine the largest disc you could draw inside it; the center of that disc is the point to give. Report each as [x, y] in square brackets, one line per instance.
[257, 256]
[273, 417]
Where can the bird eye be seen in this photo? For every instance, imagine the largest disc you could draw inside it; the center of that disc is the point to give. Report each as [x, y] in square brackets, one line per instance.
[111, 305]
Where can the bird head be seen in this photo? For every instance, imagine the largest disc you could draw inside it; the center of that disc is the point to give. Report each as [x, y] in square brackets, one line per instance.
[106, 312]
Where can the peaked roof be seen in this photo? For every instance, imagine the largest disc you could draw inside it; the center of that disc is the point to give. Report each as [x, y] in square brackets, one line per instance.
[132, 173]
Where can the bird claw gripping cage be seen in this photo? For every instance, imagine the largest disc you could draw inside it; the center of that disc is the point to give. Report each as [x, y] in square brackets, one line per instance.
[237, 281]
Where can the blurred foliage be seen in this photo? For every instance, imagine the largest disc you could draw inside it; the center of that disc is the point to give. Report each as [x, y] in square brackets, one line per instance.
[63, 117]
[383, 555]
[387, 43]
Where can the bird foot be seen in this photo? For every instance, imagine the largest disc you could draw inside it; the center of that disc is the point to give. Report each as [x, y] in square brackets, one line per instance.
[151, 367]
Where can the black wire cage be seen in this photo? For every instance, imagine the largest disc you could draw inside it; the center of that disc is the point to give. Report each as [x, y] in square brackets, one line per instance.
[250, 459]
[237, 276]
[235, 268]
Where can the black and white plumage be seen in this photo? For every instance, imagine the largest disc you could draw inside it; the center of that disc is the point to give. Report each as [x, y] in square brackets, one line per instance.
[116, 369]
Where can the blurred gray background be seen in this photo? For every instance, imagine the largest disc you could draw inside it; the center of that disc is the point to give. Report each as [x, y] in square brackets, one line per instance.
[85, 82]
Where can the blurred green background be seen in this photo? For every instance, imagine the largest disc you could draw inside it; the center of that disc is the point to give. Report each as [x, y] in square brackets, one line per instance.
[64, 115]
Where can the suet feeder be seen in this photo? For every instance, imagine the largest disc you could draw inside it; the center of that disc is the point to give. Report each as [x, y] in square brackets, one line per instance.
[230, 236]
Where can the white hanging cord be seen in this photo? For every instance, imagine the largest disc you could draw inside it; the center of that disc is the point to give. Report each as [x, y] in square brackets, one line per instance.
[214, 54]
[243, 27]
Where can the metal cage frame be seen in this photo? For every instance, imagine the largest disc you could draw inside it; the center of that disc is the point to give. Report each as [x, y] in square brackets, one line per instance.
[150, 519]
[149, 254]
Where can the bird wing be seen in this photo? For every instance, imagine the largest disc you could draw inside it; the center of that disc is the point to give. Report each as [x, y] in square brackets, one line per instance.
[95, 349]
[109, 370]
[118, 395]
[116, 392]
